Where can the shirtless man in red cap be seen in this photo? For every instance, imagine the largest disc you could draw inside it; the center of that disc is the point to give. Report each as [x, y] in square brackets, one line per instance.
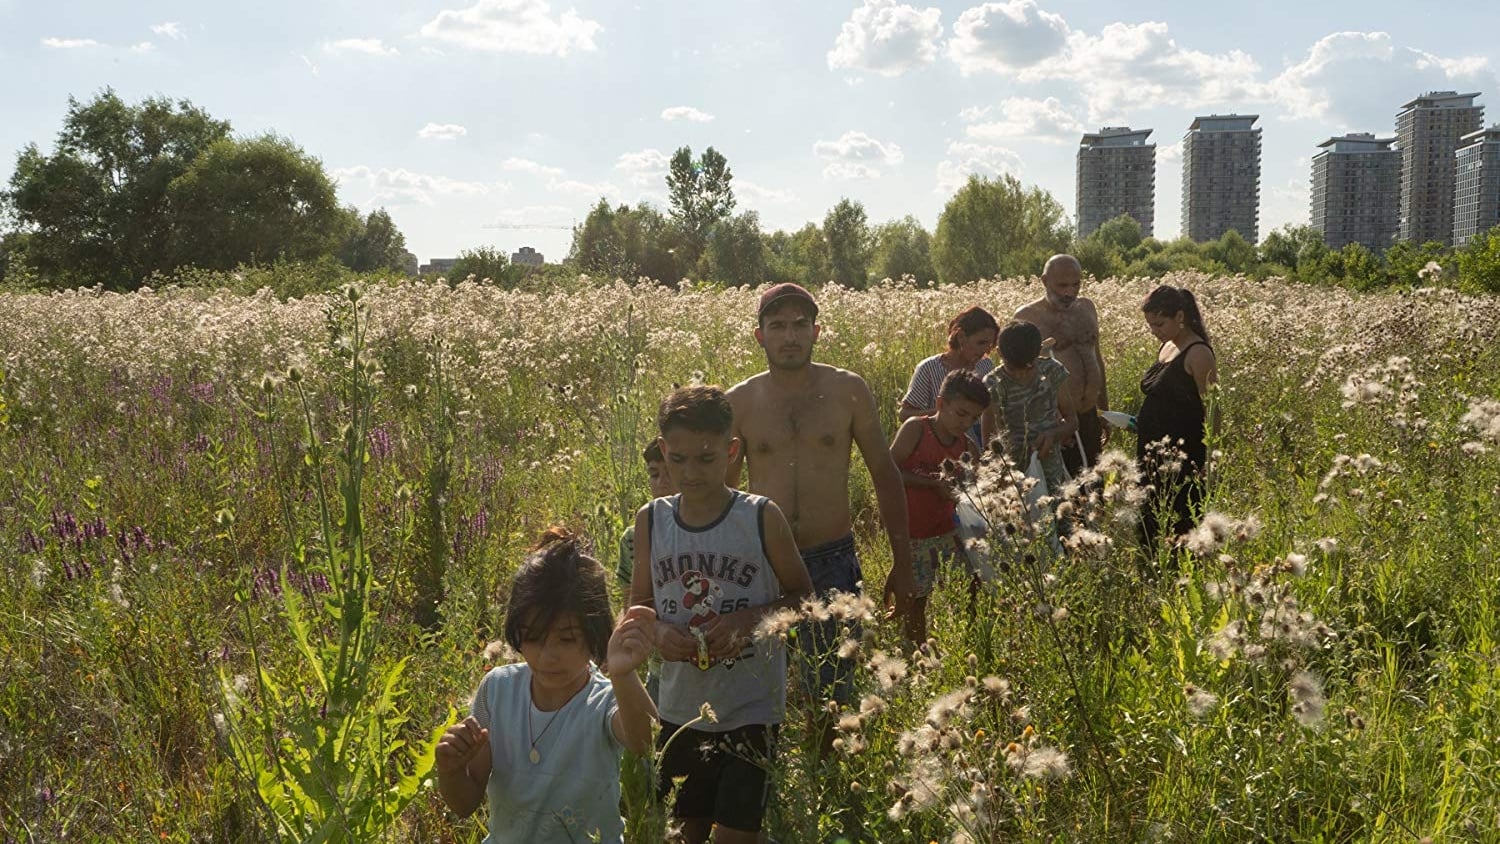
[796, 422]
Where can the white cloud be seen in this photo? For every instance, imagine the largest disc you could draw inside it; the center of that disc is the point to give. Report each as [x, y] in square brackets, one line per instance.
[310, 65]
[514, 26]
[170, 29]
[856, 155]
[526, 165]
[143, 47]
[686, 113]
[368, 46]
[1169, 152]
[649, 166]
[1123, 68]
[965, 159]
[442, 131]
[544, 216]
[751, 191]
[400, 186]
[886, 38]
[1360, 79]
[589, 189]
[1130, 66]
[69, 43]
[1006, 36]
[1038, 120]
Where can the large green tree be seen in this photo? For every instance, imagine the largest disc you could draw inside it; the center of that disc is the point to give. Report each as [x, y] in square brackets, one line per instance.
[737, 251]
[997, 227]
[599, 246]
[701, 194]
[1479, 262]
[485, 263]
[847, 229]
[133, 190]
[372, 243]
[95, 209]
[258, 200]
[903, 248]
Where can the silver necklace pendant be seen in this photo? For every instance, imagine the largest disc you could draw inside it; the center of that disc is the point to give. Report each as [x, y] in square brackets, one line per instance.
[536, 757]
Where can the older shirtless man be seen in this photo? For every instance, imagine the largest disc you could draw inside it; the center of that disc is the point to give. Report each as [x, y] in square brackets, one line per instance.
[1073, 324]
[797, 422]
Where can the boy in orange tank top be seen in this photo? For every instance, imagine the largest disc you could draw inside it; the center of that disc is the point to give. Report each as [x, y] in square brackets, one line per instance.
[920, 448]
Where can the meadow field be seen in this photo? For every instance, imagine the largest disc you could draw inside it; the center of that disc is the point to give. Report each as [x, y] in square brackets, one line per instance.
[251, 554]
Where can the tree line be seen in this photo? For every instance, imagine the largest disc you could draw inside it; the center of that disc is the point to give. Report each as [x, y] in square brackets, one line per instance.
[133, 192]
[161, 190]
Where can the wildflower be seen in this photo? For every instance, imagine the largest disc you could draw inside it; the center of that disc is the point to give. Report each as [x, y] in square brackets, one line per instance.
[1306, 693]
[815, 610]
[1047, 763]
[946, 707]
[776, 625]
[1200, 702]
[871, 706]
[1227, 640]
[849, 723]
[851, 606]
[888, 670]
[996, 687]
[1295, 564]
[706, 713]
[1327, 545]
[1210, 534]
[848, 649]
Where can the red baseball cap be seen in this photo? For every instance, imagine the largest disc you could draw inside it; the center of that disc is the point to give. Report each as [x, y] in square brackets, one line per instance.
[785, 290]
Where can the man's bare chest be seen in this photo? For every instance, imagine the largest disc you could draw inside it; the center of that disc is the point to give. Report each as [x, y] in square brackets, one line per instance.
[804, 428]
[1071, 331]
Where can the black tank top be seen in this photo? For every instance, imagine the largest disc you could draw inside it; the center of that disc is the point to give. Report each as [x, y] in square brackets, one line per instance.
[1172, 409]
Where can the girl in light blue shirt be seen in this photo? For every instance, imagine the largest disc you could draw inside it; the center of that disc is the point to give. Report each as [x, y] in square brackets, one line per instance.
[544, 737]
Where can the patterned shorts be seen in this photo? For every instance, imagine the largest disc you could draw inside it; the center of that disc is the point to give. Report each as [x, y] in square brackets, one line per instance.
[928, 557]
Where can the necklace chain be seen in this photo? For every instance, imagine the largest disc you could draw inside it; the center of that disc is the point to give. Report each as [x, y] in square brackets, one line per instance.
[535, 755]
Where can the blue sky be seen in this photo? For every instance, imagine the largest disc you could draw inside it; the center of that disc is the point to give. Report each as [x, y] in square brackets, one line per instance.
[454, 114]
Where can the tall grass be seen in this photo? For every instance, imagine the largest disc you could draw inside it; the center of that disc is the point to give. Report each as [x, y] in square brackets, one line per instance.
[1326, 670]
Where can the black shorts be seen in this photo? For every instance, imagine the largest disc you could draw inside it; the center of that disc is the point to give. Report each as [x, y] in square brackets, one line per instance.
[725, 773]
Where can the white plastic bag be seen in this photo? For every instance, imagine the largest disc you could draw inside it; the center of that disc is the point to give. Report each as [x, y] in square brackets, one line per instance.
[974, 539]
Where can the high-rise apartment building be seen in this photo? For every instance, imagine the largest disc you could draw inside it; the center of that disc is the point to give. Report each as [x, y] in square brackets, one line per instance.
[1356, 191]
[1116, 175]
[1221, 177]
[1476, 189]
[1429, 129]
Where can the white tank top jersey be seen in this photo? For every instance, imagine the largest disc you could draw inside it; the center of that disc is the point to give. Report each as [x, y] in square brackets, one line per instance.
[698, 574]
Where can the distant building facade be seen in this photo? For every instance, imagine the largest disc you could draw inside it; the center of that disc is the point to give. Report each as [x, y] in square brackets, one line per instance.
[1476, 187]
[1356, 191]
[438, 266]
[1429, 130]
[527, 257]
[1116, 175]
[1221, 177]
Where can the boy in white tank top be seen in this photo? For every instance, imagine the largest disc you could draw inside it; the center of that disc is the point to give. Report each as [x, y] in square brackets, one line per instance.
[714, 561]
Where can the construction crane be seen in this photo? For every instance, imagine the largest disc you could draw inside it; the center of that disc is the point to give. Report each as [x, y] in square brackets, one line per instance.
[524, 226]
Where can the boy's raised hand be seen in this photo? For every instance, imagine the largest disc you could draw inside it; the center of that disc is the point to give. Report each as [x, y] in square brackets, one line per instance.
[632, 641]
[461, 744]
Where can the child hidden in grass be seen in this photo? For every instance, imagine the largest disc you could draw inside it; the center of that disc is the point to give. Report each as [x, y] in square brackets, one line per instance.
[714, 561]
[661, 485]
[921, 447]
[545, 735]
